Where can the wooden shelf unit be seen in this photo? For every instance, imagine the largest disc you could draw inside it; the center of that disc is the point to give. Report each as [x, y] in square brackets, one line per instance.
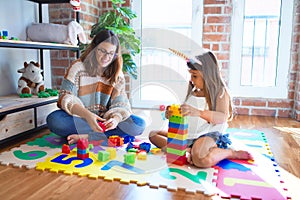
[19, 116]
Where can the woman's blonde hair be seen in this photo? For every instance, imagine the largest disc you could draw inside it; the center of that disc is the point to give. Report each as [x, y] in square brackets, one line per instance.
[213, 84]
[90, 62]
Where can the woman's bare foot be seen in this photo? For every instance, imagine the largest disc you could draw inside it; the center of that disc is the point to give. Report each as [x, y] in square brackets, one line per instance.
[241, 155]
[75, 137]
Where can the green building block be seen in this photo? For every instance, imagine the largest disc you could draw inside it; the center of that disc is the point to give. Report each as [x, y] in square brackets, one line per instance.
[178, 120]
[129, 158]
[103, 156]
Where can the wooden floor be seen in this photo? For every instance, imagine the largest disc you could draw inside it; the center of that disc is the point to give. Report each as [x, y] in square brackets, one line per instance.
[282, 134]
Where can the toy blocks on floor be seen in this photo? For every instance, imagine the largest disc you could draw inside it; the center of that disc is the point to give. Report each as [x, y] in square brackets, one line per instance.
[82, 149]
[177, 137]
[129, 158]
[112, 152]
[103, 156]
[142, 155]
[115, 141]
[65, 149]
[155, 150]
[145, 146]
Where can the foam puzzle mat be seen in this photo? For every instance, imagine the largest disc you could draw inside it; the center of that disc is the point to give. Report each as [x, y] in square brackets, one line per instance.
[258, 179]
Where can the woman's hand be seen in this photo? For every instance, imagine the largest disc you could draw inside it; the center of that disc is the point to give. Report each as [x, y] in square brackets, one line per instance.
[187, 110]
[112, 123]
[93, 120]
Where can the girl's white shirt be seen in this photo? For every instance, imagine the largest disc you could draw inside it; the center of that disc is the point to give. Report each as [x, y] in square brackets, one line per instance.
[198, 126]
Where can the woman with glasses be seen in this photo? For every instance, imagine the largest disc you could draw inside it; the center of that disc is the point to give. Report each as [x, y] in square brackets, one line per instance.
[93, 92]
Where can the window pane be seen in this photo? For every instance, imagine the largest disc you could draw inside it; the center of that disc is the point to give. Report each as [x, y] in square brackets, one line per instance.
[174, 15]
[260, 43]
[163, 76]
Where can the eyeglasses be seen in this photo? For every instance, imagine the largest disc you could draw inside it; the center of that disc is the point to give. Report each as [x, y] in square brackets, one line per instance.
[103, 52]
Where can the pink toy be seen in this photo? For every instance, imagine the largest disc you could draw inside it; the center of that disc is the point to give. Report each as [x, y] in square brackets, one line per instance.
[162, 107]
[102, 126]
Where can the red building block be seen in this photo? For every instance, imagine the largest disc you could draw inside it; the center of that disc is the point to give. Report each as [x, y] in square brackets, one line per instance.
[65, 149]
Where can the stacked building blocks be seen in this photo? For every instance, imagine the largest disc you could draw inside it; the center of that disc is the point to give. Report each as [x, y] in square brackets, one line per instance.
[82, 149]
[177, 137]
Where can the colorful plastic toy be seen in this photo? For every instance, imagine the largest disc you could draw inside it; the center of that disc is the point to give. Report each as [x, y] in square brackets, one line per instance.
[115, 141]
[145, 146]
[103, 156]
[112, 152]
[129, 158]
[177, 137]
[82, 149]
[103, 127]
[65, 149]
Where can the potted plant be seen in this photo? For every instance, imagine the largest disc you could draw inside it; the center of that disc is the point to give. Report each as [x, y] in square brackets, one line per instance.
[118, 20]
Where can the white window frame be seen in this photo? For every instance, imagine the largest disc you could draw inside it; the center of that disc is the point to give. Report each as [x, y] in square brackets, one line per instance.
[196, 34]
[284, 46]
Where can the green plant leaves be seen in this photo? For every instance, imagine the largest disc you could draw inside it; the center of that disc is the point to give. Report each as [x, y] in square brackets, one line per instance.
[129, 66]
[126, 12]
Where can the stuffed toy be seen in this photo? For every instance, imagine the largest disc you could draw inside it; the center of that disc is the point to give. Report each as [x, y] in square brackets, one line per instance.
[31, 81]
[58, 33]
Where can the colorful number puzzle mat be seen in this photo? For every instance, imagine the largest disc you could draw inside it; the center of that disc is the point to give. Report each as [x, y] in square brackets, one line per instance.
[258, 179]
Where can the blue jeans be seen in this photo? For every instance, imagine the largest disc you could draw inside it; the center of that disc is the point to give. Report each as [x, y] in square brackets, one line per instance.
[63, 124]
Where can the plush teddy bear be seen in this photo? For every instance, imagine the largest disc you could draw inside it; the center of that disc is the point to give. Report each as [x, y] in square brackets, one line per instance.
[59, 33]
[31, 81]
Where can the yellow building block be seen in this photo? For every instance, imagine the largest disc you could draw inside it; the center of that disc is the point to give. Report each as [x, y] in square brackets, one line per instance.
[112, 151]
[142, 156]
[155, 150]
[175, 108]
[177, 136]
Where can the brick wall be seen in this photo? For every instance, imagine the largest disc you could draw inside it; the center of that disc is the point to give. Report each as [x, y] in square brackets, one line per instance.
[63, 14]
[294, 86]
[216, 37]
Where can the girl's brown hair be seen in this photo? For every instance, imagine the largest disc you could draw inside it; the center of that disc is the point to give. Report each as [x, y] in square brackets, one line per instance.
[214, 85]
[89, 59]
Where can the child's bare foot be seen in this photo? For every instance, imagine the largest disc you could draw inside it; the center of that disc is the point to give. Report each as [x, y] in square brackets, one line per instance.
[75, 137]
[241, 155]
